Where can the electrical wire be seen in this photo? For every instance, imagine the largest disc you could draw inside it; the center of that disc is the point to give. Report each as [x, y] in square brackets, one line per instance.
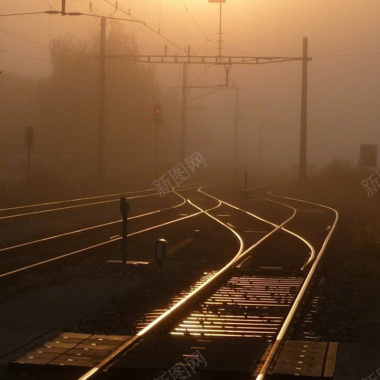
[159, 19]
[195, 21]
[24, 39]
[148, 27]
[47, 2]
[346, 55]
[44, 46]
[26, 56]
[108, 17]
[69, 18]
[22, 14]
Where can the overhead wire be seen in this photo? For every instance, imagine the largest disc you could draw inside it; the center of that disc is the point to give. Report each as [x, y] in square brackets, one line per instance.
[25, 56]
[23, 38]
[22, 14]
[195, 21]
[48, 46]
[69, 18]
[148, 27]
[134, 19]
[159, 18]
[44, 46]
[159, 32]
[186, 44]
[346, 55]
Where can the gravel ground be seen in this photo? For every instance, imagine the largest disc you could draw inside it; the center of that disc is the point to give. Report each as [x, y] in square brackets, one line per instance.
[348, 280]
[93, 298]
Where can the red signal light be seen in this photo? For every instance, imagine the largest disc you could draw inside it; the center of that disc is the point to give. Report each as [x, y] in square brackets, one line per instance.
[157, 115]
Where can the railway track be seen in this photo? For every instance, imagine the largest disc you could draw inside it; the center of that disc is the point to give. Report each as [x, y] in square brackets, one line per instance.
[31, 253]
[249, 303]
[243, 302]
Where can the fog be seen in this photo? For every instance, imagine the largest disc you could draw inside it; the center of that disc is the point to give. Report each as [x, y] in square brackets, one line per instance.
[343, 82]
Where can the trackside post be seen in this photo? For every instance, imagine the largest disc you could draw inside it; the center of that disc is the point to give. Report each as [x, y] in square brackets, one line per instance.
[160, 249]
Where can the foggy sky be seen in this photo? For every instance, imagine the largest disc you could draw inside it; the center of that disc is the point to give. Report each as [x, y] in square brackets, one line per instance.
[344, 80]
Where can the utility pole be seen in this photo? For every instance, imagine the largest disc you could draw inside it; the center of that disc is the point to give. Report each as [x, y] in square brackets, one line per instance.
[303, 132]
[101, 167]
[227, 61]
[236, 134]
[63, 12]
[157, 118]
[220, 26]
[220, 30]
[261, 136]
[157, 149]
[183, 112]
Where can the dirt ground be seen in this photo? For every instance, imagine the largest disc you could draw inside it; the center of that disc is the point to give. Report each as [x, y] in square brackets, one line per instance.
[343, 305]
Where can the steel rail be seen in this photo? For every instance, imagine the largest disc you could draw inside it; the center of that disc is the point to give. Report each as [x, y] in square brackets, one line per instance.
[73, 200]
[96, 245]
[312, 249]
[302, 291]
[92, 227]
[70, 207]
[306, 282]
[155, 193]
[93, 246]
[109, 359]
[241, 253]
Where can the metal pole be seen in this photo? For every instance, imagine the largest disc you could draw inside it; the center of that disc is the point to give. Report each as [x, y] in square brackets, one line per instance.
[261, 149]
[124, 245]
[236, 137]
[303, 132]
[220, 32]
[102, 97]
[63, 12]
[183, 114]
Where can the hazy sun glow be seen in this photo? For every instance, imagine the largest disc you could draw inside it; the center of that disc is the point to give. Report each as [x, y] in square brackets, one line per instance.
[343, 84]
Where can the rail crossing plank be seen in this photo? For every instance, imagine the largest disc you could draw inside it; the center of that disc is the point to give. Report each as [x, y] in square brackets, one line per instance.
[162, 353]
[307, 359]
[72, 349]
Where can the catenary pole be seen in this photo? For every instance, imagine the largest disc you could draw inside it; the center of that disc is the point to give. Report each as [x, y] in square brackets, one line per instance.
[236, 132]
[183, 112]
[303, 132]
[101, 167]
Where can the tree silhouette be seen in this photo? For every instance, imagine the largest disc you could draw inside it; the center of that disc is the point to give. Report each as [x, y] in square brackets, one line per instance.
[69, 102]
